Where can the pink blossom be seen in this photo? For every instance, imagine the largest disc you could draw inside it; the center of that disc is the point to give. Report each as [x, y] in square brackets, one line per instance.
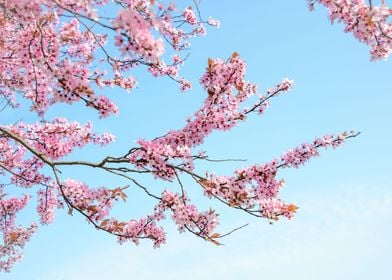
[190, 16]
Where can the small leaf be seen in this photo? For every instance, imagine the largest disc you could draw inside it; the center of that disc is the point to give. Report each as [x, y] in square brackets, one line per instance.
[92, 208]
[205, 183]
[240, 87]
[210, 64]
[215, 242]
[104, 223]
[292, 208]
[123, 196]
[14, 236]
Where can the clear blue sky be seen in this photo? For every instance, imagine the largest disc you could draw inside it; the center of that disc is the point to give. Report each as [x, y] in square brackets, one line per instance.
[342, 229]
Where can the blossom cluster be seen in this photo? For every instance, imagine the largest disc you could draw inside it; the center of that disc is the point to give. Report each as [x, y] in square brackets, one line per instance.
[369, 24]
[187, 216]
[59, 137]
[14, 236]
[140, 41]
[47, 202]
[95, 204]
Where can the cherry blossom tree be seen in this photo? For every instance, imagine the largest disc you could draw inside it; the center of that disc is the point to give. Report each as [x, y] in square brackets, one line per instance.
[70, 51]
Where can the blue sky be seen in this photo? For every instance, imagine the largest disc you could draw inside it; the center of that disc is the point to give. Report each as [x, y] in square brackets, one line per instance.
[342, 229]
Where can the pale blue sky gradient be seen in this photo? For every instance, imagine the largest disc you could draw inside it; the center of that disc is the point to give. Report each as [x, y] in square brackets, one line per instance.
[343, 227]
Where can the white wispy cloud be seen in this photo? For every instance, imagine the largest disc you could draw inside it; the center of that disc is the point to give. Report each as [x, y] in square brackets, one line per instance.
[336, 236]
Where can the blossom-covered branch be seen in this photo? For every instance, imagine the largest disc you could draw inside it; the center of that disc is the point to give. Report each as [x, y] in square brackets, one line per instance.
[369, 23]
